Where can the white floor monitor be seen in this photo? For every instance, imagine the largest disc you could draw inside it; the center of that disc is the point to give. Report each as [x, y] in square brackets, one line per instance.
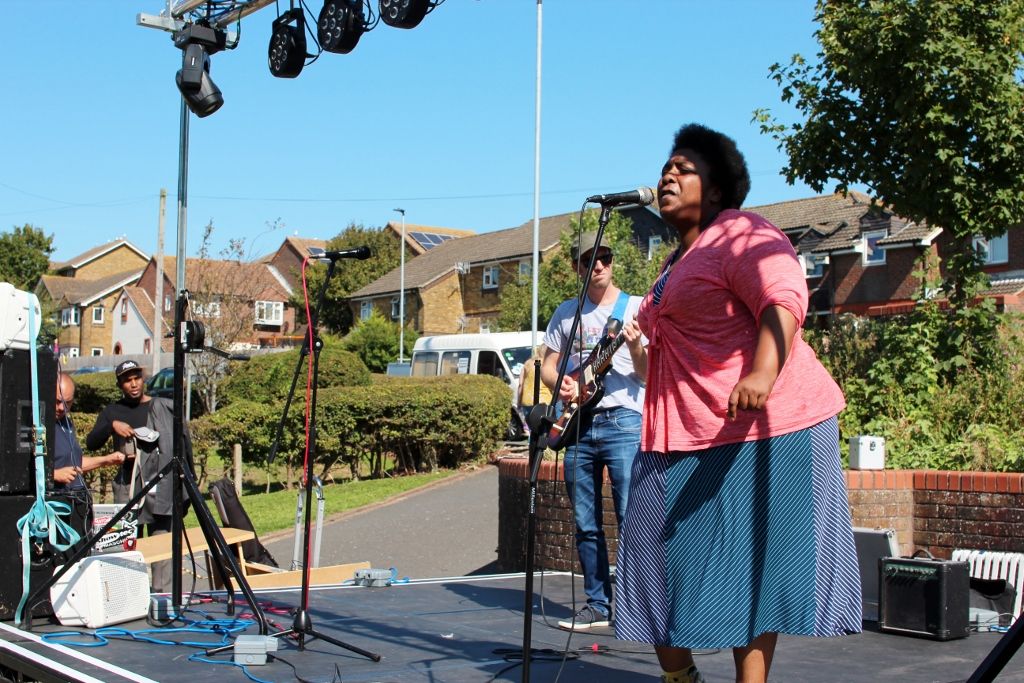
[101, 590]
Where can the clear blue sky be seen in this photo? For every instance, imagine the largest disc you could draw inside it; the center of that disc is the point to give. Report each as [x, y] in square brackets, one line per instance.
[438, 120]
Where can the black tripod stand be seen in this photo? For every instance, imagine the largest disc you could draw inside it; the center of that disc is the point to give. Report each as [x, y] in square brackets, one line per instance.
[181, 476]
[303, 625]
[541, 420]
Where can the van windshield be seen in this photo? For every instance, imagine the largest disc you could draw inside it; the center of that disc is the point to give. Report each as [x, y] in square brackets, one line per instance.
[516, 357]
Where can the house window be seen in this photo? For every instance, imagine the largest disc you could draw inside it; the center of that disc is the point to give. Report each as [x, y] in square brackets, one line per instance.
[268, 312]
[485, 327]
[72, 352]
[210, 309]
[873, 255]
[167, 303]
[147, 346]
[94, 351]
[97, 315]
[525, 270]
[491, 277]
[365, 310]
[70, 316]
[117, 349]
[124, 310]
[814, 264]
[993, 249]
[394, 308]
[652, 246]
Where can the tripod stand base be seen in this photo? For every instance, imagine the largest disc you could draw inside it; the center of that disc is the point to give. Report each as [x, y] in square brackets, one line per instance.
[303, 628]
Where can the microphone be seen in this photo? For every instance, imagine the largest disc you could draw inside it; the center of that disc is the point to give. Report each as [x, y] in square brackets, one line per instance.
[642, 196]
[356, 252]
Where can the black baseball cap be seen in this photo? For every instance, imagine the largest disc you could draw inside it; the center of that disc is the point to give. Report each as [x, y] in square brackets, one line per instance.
[126, 366]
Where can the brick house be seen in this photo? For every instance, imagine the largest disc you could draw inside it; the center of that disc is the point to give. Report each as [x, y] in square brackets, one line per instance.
[863, 259]
[288, 258]
[83, 291]
[247, 300]
[455, 286]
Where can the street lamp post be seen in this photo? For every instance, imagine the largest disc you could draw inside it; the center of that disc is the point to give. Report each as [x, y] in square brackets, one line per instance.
[401, 293]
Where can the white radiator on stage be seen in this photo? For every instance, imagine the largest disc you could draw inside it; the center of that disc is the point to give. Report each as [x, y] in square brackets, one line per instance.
[101, 590]
[986, 564]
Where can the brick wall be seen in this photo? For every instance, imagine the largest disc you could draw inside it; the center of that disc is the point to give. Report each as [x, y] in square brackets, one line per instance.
[935, 510]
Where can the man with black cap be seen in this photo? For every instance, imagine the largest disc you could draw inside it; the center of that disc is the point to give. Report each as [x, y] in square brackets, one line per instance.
[143, 429]
[609, 432]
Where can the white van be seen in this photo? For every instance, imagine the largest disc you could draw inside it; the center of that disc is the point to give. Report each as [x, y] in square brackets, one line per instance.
[499, 354]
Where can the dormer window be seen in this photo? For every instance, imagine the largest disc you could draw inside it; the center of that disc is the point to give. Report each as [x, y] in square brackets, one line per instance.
[872, 254]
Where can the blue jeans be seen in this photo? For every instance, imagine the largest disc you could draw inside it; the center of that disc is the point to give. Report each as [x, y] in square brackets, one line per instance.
[612, 440]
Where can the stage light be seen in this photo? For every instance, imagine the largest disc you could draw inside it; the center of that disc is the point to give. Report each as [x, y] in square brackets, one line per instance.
[340, 25]
[202, 96]
[403, 13]
[286, 54]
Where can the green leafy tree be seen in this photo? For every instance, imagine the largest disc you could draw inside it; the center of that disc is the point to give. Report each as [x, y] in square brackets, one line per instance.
[375, 341]
[922, 102]
[557, 280]
[24, 256]
[350, 275]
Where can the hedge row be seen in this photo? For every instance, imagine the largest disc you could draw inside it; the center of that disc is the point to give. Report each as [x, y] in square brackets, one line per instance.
[424, 423]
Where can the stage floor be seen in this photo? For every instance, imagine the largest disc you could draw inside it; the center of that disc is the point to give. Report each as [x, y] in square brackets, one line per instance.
[460, 630]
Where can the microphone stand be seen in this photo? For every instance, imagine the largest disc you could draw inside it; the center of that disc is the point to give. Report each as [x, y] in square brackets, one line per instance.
[542, 418]
[302, 627]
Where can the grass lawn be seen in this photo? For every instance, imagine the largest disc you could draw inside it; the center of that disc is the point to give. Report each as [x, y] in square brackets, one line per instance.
[275, 511]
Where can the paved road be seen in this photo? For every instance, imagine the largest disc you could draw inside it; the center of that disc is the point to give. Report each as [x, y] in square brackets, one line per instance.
[447, 529]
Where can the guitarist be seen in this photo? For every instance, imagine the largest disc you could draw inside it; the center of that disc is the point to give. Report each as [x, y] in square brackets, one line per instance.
[609, 432]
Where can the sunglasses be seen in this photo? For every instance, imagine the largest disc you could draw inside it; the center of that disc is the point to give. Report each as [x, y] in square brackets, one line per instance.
[604, 257]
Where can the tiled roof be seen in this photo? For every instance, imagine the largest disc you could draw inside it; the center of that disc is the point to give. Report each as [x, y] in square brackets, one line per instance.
[826, 212]
[251, 280]
[1008, 286]
[84, 292]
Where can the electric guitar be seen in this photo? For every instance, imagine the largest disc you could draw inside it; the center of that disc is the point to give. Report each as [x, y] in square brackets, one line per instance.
[589, 378]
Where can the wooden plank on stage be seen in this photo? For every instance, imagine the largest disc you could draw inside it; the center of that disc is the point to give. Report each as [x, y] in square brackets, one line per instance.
[318, 576]
[157, 548]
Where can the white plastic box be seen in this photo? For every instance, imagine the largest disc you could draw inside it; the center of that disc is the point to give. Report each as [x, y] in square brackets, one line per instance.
[867, 453]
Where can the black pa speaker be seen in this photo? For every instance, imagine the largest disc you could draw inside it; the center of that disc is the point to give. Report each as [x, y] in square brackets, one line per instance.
[17, 437]
[44, 559]
[924, 597]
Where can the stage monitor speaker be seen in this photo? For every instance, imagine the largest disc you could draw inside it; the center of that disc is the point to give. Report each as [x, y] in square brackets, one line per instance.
[17, 443]
[101, 590]
[13, 508]
[924, 597]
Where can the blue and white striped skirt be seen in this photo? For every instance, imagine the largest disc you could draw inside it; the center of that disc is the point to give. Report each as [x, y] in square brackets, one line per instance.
[722, 545]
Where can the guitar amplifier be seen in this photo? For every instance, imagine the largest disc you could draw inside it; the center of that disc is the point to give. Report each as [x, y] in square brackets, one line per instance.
[923, 597]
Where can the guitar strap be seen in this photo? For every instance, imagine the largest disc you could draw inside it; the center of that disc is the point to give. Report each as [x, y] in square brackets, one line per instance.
[619, 312]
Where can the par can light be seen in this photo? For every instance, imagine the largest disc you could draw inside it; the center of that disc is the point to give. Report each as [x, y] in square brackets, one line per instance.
[340, 25]
[286, 54]
[403, 13]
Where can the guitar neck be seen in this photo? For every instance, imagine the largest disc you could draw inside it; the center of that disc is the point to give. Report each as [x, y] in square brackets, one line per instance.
[604, 358]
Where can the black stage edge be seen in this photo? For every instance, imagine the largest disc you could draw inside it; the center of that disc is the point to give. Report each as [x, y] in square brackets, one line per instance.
[459, 630]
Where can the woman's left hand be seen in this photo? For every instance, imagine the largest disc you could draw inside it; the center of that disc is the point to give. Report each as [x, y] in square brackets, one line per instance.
[750, 393]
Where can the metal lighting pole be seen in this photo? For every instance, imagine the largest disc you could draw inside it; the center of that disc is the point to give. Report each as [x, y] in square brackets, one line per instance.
[401, 293]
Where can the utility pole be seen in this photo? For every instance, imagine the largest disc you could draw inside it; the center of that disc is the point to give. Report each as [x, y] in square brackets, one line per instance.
[401, 293]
